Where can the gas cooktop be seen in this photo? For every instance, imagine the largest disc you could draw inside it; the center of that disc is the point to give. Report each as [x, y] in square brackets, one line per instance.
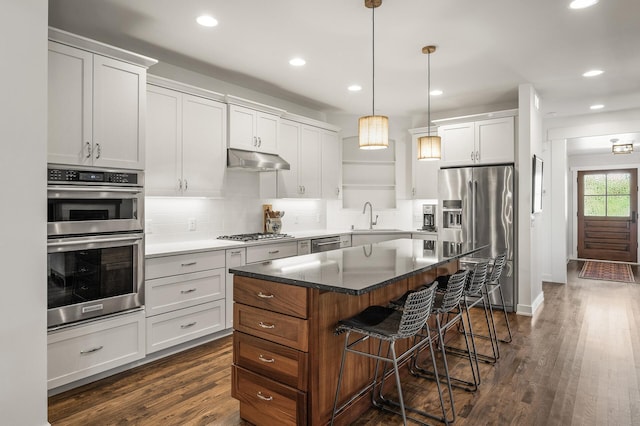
[257, 236]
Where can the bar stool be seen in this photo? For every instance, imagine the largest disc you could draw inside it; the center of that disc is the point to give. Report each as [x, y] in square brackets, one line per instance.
[448, 303]
[389, 325]
[493, 284]
[473, 295]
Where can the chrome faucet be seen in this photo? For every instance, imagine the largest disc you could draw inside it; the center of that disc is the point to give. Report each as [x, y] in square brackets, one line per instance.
[371, 221]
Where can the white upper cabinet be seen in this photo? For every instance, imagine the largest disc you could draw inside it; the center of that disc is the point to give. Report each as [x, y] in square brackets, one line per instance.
[185, 144]
[424, 174]
[96, 109]
[300, 146]
[331, 165]
[479, 142]
[253, 130]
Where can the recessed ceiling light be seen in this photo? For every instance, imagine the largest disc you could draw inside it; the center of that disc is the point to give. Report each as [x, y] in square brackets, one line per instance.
[581, 4]
[207, 21]
[436, 92]
[592, 73]
[297, 62]
[354, 88]
[597, 106]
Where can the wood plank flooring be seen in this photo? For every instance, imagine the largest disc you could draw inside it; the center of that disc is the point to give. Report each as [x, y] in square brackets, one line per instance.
[576, 363]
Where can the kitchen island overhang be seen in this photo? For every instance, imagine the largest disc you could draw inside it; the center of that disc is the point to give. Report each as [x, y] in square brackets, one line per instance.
[286, 355]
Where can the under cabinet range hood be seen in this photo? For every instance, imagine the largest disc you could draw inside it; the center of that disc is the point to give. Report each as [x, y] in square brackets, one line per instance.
[255, 161]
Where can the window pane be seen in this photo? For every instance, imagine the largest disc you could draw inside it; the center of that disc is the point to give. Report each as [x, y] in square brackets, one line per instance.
[595, 184]
[594, 205]
[618, 205]
[618, 184]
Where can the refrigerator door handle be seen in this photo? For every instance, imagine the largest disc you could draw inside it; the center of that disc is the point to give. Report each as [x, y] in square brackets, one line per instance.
[475, 199]
[471, 231]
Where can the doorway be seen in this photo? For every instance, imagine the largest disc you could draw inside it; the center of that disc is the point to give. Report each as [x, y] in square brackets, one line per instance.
[607, 217]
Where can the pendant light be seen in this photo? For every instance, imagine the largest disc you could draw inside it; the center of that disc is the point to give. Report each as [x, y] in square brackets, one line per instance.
[429, 146]
[373, 130]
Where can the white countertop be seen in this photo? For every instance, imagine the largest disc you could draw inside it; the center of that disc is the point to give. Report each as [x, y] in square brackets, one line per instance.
[183, 247]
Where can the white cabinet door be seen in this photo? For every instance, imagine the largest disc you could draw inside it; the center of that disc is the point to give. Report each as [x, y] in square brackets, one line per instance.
[458, 144]
[242, 125]
[164, 142]
[495, 140]
[267, 132]
[309, 160]
[203, 153]
[70, 133]
[118, 113]
[424, 173]
[331, 162]
[253, 130]
[288, 186]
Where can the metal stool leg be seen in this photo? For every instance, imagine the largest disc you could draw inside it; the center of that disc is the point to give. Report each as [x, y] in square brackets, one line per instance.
[344, 354]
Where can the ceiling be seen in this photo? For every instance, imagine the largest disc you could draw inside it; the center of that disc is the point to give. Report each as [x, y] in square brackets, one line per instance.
[485, 49]
[601, 144]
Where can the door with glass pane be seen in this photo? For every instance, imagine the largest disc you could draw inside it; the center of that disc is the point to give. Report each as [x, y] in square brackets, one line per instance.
[607, 212]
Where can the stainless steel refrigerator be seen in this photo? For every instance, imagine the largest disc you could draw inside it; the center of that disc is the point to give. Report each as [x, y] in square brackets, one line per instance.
[477, 204]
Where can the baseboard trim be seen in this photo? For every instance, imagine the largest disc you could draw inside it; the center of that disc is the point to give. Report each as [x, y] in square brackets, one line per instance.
[530, 310]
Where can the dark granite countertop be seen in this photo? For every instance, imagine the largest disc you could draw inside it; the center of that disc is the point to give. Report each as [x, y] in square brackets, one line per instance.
[361, 269]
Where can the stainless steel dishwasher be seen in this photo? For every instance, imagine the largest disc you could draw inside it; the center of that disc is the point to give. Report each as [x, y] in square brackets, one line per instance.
[325, 244]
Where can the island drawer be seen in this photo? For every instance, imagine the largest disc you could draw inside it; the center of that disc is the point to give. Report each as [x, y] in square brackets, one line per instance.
[166, 266]
[272, 326]
[266, 402]
[275, 361]
[282, 298]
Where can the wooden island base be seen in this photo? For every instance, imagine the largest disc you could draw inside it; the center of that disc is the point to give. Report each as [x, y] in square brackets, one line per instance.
[286, 357]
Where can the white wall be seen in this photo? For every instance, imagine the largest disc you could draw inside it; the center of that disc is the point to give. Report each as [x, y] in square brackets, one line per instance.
[530, 226]
[23, 135]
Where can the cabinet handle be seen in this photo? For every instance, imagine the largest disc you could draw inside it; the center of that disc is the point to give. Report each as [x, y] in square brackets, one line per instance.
[338, 191]
[188, 264]
[191, 324]
[265, 296]
[98, 151]
[88, 150]
[274, 252]
[413, 191]
[263, 359]
[180, 184]
[471, 155]
[236, 253]
[266, 325]
[90, 351]
[259, 142]
[255, 141]
[186, 185]
[191, 290]
[264, 398]
[304, 189]
[477, 155]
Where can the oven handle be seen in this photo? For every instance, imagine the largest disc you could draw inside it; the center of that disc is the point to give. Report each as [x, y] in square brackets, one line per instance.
[126, 190]
[135, 238]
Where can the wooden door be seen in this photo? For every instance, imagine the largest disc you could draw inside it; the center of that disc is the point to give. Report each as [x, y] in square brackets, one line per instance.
[607, 213]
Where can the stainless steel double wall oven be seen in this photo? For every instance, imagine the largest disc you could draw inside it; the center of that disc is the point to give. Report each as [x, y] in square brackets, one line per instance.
[95, 228]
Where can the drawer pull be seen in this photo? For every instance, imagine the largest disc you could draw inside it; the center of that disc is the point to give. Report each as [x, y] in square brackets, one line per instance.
[264, 398]
[90, 351]
[274, 252]
[263, 359]
[265, 296]
[189, 264]
[235, 253]
[191, 324]
[191, 290]
[266, 325]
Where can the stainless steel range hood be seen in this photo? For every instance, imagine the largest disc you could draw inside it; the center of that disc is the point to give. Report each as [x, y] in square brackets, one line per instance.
[255, 161]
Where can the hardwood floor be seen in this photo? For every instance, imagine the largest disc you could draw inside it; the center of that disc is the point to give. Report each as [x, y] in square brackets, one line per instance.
[576, 363]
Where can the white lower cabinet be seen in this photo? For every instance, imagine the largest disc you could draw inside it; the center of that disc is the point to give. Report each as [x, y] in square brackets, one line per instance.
[184, 298]
[81, 351]
[183, 325]
[266, 252]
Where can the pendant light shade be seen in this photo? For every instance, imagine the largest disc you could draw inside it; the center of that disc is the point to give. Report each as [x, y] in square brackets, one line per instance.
[429, 147]
[373, 130]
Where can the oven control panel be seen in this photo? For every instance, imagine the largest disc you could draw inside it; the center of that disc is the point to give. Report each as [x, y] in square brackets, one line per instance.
[88, 176]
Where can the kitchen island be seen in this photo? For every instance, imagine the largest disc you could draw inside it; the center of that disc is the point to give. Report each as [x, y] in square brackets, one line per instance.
[285, 354]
